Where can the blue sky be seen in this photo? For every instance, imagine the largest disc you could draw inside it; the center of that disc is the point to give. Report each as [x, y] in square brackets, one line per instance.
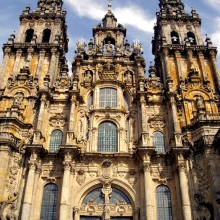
[137, 16]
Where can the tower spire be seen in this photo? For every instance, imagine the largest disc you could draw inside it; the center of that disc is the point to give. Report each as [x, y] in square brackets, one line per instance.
[110, 5]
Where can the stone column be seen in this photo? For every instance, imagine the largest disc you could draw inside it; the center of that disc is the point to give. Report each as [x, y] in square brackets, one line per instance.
[53, 65]
[26, 209]
[165, 62]
[65, 198]
[70, 133]
[5, 152]
[72, 111]
[41, 112]
[17, 62]
[176, 126]
[215, 67]
[202, 61]
[40, 63]
[4, 65]
[149, 201]
[190, 59]
[76, 213]
[177, 57]
[184, 189]
[29, 56]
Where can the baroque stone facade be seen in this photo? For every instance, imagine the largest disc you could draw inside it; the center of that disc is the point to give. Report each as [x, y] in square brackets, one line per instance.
[108, 142]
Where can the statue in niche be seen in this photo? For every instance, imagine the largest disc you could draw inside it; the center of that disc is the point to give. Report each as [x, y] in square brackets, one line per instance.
[128, 77]
[109, 48]
[88, 76]
[200, 103]
[18, 99]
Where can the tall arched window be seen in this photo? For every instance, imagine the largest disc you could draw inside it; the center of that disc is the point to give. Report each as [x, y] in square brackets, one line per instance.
[55, 140]
[164, 207]
[108, 97]
[46, 36]
[107, 137]
[49, 202]
[175, 39]
[29, 35]
[192, 38]
[158, 142]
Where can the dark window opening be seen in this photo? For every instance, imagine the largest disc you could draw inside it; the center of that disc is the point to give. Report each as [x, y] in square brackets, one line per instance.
[192, 38]
[29, 35]
[175, 38]
[46, 36]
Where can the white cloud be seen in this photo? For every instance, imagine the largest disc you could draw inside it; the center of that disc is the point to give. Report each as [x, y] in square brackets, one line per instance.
[216, 35]
[214, 3]
[129, 15]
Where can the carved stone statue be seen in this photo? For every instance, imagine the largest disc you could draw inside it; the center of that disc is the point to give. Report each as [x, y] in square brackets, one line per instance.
[200, 103]
[18, 99]
[109, 48]
[88, 76]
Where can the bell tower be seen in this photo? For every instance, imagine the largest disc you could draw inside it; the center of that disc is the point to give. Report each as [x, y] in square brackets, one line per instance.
[186, 65]
[40, 44]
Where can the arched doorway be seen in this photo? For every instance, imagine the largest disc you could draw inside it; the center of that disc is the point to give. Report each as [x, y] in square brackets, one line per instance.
[106, 203]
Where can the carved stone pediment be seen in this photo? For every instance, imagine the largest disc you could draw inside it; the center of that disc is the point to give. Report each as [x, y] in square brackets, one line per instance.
[156, 122]
[107, 71]
[63, 82]
[57, 120]
[24, 79]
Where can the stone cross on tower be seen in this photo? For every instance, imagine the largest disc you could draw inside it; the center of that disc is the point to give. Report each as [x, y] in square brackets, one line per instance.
[109, 5]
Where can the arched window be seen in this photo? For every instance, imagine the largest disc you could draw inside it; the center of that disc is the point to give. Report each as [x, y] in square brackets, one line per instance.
[55, 140]
[98, 197]
[49, 202]
[164, 207]
[192, 38]
[118, 196]
[108, 98]
[158, 142]
[175, 39]
[94, 196]
[29, 35]
[46, 36]
[107, 137]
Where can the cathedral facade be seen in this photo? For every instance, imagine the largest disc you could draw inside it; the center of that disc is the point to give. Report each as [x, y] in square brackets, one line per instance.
[108, 142]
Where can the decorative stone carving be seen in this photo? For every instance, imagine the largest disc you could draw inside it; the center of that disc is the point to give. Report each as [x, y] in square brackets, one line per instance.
[18, 99]
[156, 122]
[8, 208]
[81, 177]
[106, 169]
[24, 79]
[58, 120]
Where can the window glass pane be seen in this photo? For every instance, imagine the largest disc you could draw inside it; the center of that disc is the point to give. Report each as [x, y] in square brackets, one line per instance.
[108, 98]
[158, 142]
[55, 140]
[94, 196]
[90, 218]
[118, 196]
[164, 208]
[49, 202]
[107, 137]
[121, 218]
